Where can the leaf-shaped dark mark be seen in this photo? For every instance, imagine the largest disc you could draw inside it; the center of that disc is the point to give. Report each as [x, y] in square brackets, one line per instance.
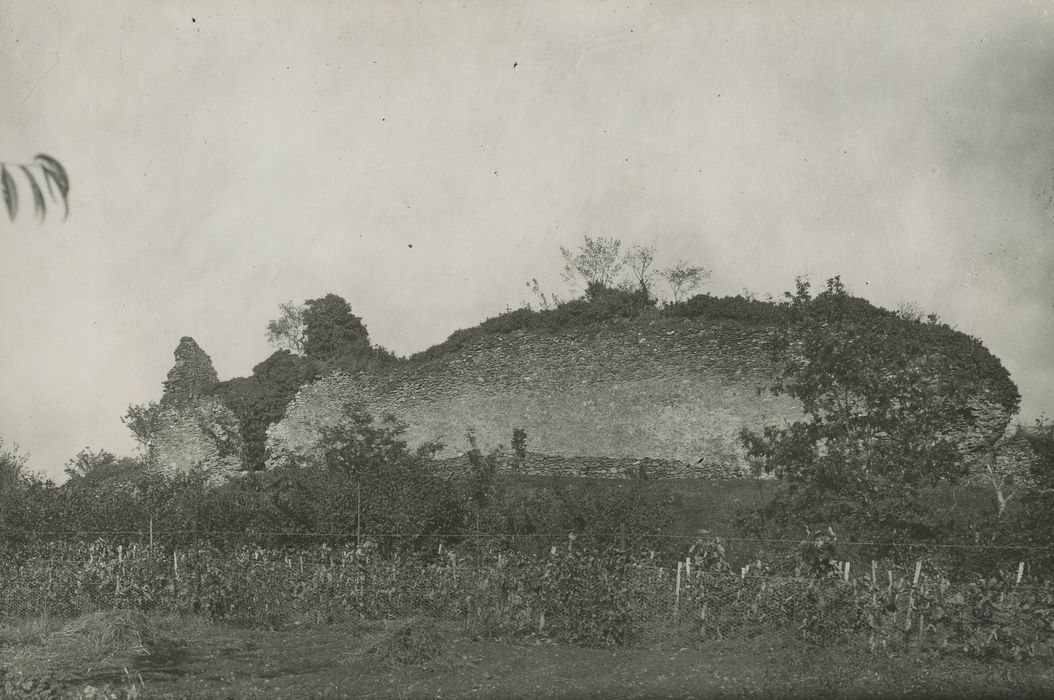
[54, 172]
[7, 183]
[38, 195]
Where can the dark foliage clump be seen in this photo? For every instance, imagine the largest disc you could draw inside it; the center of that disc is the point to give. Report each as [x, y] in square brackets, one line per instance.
[883, 398]
[260, 399]
[739, 309]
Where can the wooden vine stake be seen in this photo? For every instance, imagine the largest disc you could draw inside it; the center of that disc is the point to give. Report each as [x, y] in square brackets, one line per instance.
[677, 590]
[847, 571]
[874, 581]
[918, 570]
[1020, 571]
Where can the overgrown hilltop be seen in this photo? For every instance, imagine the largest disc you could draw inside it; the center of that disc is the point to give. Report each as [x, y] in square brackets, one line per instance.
[847, 404]
[611, 375]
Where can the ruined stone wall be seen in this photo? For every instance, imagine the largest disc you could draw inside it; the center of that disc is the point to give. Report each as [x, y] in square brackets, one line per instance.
[195, 430]
[192, 375]
[673, 390]
[202, 434]
[606, 467]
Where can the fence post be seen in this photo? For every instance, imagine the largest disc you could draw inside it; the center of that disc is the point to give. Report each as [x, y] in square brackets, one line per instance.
[175, 564]
[1020, 572]
[874, 582]
[151, 531]
[918, 569]
[847, 571]
[677, 590]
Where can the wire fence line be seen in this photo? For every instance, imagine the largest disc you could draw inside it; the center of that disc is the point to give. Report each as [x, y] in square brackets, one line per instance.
[471, 535]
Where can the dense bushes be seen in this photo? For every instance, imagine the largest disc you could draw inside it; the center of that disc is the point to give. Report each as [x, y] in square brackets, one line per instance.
[600, 305]
[885, 403]
[363, 482]
[594, 515]
[604, 305]
[738, 309]
[260, 399]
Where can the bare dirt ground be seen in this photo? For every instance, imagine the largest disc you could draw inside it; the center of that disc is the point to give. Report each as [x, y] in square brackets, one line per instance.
[199, 660]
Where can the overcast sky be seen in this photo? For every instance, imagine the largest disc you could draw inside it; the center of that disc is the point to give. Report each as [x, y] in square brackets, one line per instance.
[424, 160]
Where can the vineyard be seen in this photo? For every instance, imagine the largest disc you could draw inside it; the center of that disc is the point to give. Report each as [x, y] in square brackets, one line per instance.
[573, 593]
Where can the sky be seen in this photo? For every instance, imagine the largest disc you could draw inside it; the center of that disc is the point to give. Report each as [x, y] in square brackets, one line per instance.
[425, 160]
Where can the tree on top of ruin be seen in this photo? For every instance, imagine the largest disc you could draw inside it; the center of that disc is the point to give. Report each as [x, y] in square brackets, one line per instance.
[288, 331]
[639, 259]
[331, 329]
[684, 278]
[596, 262]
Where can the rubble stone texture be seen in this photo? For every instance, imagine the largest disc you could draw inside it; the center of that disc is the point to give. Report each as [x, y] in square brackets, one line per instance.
[667, 397]
[670, 390]
[196, 431]
[191, 377]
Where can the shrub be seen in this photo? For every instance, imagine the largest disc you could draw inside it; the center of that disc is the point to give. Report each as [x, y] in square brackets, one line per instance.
[738, 308]
[586, 598]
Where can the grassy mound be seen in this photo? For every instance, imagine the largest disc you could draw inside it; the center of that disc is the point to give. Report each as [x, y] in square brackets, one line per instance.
[109, 634]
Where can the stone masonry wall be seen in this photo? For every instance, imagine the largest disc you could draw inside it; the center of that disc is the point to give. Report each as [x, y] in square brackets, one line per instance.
[605, 467]
[672, 390]
[203, 434]
[195, 430]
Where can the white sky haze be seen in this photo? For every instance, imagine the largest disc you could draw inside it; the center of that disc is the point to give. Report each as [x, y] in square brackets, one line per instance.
[225, 157]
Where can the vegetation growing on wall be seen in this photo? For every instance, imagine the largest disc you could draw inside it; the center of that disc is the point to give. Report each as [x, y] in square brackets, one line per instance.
[260, 399]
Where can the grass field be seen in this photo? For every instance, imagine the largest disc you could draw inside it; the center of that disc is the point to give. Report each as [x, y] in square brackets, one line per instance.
[186, 658]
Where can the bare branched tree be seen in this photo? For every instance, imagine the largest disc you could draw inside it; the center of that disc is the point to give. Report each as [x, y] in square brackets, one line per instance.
[288, 330]
[639, 259]
[44, 169]
[597, 261]
[684, 279]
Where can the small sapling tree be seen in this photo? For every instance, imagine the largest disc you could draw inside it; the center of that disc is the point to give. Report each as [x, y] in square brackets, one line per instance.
[519, 446]
[596, 262]
[143, 420]
[684, 278]
[639, 260]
